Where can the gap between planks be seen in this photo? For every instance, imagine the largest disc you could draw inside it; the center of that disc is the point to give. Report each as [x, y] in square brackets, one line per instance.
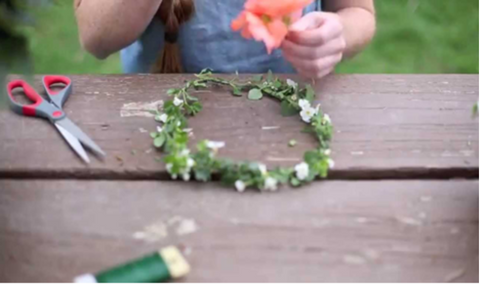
[419, 173]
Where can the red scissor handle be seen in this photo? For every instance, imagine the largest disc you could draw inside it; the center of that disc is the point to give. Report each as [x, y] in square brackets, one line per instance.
[54, 79]
[58, 97]
[39, 107]
[29, 109]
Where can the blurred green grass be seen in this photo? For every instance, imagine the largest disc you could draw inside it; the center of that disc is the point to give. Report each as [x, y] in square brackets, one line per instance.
[413, 36]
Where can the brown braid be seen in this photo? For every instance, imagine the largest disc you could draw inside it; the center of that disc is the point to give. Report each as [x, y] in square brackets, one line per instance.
[172, 13]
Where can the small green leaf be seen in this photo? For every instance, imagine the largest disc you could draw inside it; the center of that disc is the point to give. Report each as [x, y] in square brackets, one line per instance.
[181, 138]
[206, 71]
[190, 98]
[295, 182]
[268, 90]
[199, 85]
[153, 134]
[255, 94]
[236, 92]
[172, 91]
[311, 174]
[257, 78]
[194, 108]
[288, 109]
[310, 93]
[202, 175]
[169, 108]
[197, 107]
[282, 175]
[159, 141]
[269, 76]
[311, 157]
[277, 84]
[292, 143]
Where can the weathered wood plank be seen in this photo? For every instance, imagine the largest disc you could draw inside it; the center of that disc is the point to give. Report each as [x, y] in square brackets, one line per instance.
[383, 231]
[387, 126]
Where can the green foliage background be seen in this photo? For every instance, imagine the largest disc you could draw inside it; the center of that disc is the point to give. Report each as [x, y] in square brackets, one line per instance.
[413, 36]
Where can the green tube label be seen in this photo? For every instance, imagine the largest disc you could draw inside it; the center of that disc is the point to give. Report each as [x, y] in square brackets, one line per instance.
[151, 268]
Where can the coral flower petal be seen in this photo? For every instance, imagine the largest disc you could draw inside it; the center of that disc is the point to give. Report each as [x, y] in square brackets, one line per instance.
[246, 33]
[268, 20]
[278, 30]
[276, 8]
[239, 22]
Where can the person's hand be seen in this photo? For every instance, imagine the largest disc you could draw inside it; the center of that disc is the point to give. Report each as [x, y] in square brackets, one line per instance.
[315, 44]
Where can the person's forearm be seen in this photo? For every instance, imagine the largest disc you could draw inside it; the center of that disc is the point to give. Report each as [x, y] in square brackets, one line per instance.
[358, 19]
[358, 27]
[106, 26]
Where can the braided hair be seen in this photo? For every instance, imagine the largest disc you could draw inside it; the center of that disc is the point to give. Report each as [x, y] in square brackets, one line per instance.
[172, 13]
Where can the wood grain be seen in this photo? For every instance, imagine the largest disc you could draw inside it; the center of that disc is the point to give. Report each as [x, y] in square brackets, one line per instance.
[386, 126]
[364, 231]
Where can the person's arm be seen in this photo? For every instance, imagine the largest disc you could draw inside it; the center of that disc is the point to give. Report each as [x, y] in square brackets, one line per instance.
[106, 26]
[320, 40]
[358, 19]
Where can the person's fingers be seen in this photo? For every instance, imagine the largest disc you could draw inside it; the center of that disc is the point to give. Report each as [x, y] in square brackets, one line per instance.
[314, 66]
[328, 29]
[324, 73]
[308, 22]
[307, 52]
[318, 75]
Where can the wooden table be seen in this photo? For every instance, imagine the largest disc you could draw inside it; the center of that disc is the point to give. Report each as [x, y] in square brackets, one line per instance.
[401, 204]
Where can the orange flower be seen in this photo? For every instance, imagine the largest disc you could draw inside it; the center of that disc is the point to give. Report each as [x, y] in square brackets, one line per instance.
[268, 20]
[276, 8]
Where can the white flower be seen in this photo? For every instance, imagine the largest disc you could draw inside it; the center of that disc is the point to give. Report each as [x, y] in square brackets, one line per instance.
[317, 108]
[327, 152]
[215, 145]
[307, 114]
[301, 171]
[169, 167]
[184, 152]
[159, 129]
[177, 102]
[190, 163]
[292, 83]
[179, 123]
[240, 186]
[331, 163]
[326, 118]
[303, 104]
[262, 168]
[271, 184]
[163, 118]
[186, 176]
[174, 176]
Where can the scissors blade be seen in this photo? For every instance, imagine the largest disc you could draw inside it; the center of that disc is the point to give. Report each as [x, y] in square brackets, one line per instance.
[74, 143]
[68, 125]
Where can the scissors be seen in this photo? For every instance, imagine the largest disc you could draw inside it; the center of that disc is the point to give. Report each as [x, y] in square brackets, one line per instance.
[52, 109]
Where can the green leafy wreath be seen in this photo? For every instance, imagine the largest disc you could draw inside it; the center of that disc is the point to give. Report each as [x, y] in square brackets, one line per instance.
[173, 135]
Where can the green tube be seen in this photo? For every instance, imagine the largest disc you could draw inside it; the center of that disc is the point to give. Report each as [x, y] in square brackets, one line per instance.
[160, 266]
